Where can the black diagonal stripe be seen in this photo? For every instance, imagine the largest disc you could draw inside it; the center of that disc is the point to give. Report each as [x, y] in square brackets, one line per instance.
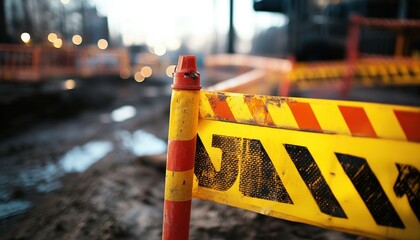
[407, 184]
[370, 190]
[259, 178]
[204, 169]
[311, 175]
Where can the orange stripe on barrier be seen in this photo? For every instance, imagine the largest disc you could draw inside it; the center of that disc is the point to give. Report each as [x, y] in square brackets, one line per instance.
[304, 116]
[410, 123]
[357, 121]
[259, 111]
[181, 157]
[221, 108]
[313, 115]
[175, 228]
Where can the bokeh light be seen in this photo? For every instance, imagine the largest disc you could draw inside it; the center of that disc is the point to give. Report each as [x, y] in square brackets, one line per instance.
[77, 39]
[159, 50]
[69, 84]
[25, 37]
[139, 77]
[102, 44]
[146, 71]
[65, 2]
[170, 70]
[58, 43]
[173, 44]
[52, 37]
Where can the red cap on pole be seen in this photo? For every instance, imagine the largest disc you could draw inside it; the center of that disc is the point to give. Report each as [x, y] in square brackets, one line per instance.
[186, 76]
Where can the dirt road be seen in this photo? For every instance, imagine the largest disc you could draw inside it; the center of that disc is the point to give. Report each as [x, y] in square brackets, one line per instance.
[116, 192]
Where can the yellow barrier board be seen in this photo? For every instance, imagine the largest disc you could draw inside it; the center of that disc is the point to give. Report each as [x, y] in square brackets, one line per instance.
[353, 176]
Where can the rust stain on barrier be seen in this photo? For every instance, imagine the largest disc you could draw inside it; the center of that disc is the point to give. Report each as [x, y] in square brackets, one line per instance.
[221, 96]
[287, 100]
[259, 110]
[273, 101]
[250, 96]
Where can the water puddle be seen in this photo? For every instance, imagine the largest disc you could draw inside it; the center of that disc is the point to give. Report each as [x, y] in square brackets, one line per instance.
[79, 159]
[12, 208]
[44, 178]
[123, 113]
[142, 143]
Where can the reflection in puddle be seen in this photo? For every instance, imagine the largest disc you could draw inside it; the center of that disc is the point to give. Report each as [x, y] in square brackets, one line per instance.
[48, 187]
[142, 143]
[45, 178]
[4, 195]
[79, 159]
[39, 174]
[123, 113]
[12, 208]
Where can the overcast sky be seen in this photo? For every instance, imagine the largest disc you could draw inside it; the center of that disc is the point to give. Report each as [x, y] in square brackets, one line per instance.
[166, 22]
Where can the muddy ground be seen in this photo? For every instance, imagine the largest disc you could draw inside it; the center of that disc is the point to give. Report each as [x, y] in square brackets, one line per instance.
[119, 194]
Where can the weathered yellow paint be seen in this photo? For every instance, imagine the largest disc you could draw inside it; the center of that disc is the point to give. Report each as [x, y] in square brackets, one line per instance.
[178, 185]
[329, 117]
[380, 154]
[381, 116]
[385, 122]
[281, 114]
[205, 109]
[184, 114]
[239, 109]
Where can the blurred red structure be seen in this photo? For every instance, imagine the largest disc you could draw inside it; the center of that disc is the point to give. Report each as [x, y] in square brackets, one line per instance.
[400, 26]
[31, 64]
